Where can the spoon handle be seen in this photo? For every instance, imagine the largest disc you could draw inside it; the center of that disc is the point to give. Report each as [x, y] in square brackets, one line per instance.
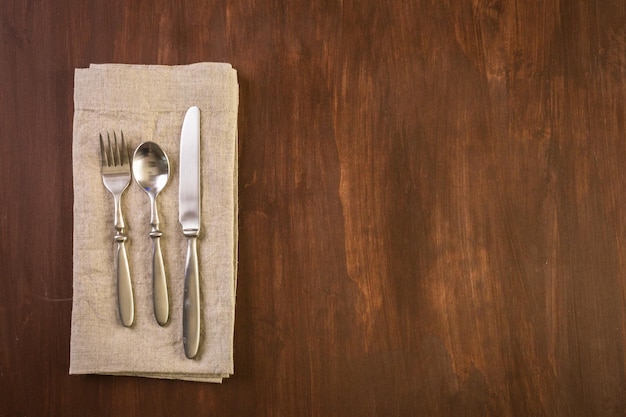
[159, 281]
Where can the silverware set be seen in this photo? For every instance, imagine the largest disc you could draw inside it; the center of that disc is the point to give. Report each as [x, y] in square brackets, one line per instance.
[150, 168]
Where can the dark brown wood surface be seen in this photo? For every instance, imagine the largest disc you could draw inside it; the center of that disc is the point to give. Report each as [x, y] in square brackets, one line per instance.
[432, 204]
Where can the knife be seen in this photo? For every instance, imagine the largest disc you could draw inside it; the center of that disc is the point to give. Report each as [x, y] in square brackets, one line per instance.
[189, 217]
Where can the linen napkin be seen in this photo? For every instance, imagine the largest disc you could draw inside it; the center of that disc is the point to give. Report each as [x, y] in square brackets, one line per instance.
[148, 103]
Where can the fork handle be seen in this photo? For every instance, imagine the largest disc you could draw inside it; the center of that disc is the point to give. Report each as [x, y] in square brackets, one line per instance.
[125, 301]
[118, 219]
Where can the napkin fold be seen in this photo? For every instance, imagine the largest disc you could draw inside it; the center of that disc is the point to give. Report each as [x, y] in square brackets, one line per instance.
[148, 103]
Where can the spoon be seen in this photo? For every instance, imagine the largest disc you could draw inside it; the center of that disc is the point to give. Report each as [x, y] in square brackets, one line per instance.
[151, 170]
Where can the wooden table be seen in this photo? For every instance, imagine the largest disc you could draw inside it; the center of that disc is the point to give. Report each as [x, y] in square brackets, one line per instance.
[432, 204]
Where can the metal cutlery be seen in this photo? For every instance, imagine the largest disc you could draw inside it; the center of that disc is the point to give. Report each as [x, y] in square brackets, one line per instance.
[189, 217]
[151, 169]
[116, 177]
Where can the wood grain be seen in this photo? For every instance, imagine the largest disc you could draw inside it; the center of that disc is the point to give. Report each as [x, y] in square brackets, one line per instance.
[431, 204]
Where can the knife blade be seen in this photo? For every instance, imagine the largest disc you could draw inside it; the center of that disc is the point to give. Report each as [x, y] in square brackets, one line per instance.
[189, 217]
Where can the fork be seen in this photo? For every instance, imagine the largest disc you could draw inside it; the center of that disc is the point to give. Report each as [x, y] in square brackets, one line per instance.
[116, 177]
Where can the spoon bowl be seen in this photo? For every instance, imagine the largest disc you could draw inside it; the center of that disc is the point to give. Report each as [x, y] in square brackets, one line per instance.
[151, 170]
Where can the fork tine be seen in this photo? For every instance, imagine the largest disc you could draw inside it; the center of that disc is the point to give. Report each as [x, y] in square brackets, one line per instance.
[116, 156]
[124, 152]
[110, 153]
[103, 154]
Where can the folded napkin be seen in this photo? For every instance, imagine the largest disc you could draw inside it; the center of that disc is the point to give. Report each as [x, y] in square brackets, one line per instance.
[148, 103]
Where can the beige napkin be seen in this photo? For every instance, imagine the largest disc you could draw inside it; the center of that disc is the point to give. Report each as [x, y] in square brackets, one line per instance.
[148, 103]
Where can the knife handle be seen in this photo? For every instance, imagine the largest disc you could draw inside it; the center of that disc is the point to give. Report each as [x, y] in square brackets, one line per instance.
[191, 304]
[126, 305]
[160, 297]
